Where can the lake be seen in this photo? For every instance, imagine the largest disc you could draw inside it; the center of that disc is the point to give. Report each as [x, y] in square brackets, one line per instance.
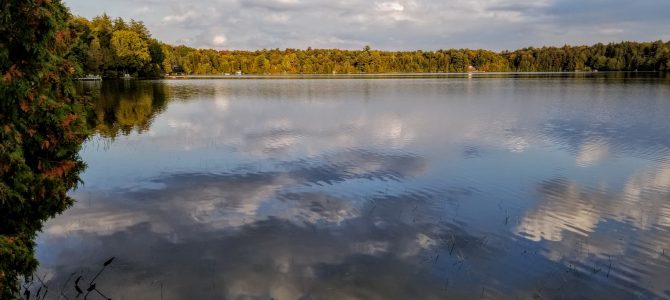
[466, 187]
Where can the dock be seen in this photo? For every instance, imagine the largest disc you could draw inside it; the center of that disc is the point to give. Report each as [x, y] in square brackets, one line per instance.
[90, 78]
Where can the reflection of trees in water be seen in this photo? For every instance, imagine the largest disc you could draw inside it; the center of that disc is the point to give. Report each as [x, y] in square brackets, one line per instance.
[119, 107]
[39, 164]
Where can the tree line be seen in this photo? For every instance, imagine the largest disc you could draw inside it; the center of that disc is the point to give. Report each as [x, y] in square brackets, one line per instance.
[43, 122]
[115, 47]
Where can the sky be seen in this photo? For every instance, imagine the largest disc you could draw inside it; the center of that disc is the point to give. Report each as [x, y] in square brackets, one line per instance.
[390, 24]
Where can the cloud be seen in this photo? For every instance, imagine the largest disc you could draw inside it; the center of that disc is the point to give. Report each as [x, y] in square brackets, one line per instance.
[390, 6]
[142, 10]
[180, 18]
[401, 24]
[219, 40]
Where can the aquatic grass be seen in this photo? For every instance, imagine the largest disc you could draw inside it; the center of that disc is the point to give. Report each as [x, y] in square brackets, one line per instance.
[43, 288]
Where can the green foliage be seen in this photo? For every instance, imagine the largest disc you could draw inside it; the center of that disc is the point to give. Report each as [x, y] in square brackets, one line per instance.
[130, 49]
[42, 126]
[625, 56]
[111, 47]
[115, 47]
[95, 56]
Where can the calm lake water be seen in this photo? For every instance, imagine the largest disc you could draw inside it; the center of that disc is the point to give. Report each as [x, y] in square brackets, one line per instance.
[489, 187]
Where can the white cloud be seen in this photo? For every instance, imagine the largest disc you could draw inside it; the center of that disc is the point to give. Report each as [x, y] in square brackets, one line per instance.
[219, 40]
[390, 6]
[179, 18]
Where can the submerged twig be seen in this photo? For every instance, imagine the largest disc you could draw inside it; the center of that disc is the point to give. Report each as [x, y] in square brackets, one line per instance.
[60, 291]
[609, 268]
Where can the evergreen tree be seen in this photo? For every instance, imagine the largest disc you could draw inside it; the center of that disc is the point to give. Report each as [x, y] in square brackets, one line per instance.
[42, 126]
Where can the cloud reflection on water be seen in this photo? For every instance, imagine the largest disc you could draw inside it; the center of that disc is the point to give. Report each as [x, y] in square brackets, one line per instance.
[379, 189]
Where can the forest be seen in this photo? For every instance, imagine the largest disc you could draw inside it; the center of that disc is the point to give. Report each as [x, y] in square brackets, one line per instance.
[114, 47]
[44, 119]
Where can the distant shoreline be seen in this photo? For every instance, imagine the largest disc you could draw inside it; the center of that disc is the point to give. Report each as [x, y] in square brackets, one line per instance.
[394, 75]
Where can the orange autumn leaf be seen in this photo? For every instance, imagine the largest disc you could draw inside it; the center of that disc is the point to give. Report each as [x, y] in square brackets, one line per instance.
[11, 73]
[69, 119]
[24, 106]
[70, 135]
[31, 95]
[62, 37]
[59, 170]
